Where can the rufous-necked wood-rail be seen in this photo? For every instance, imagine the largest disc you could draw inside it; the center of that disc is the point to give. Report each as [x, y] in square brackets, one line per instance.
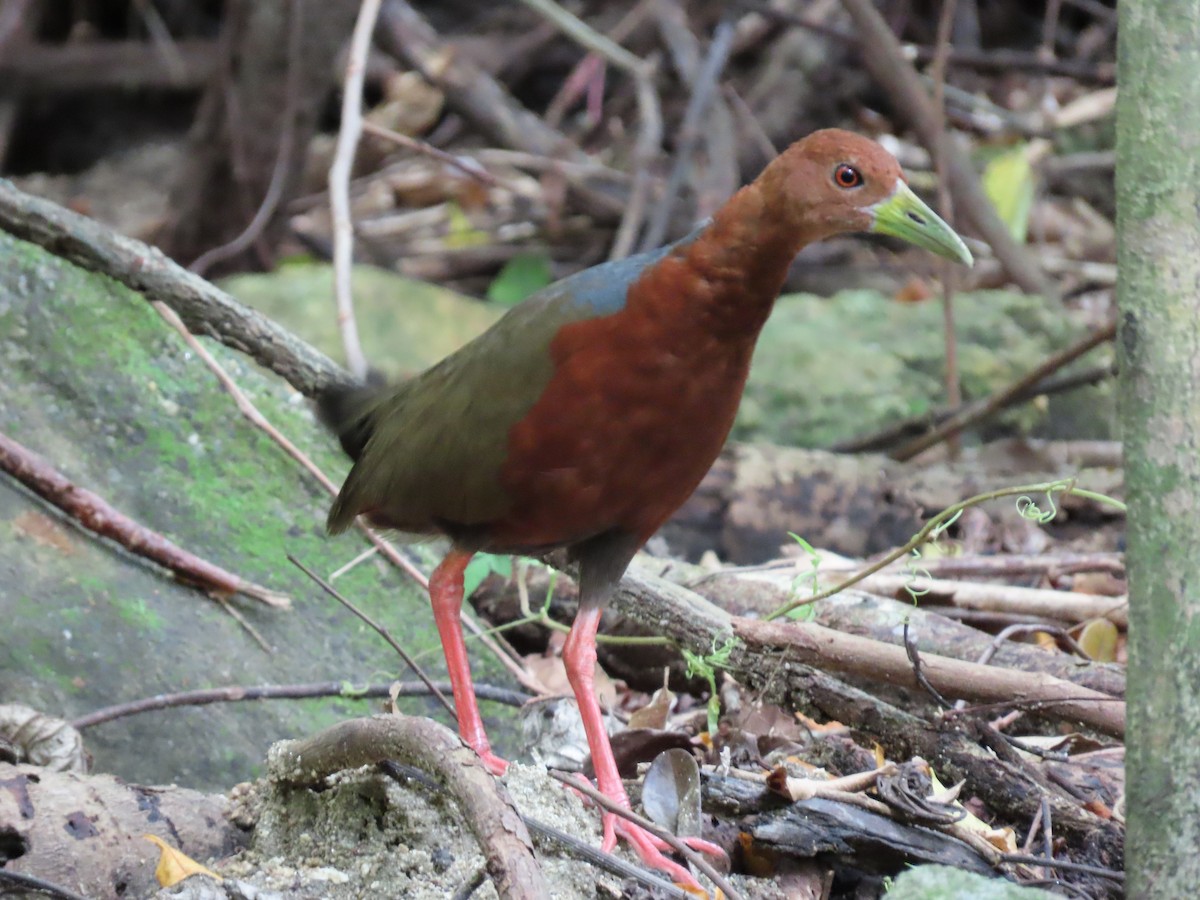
[587, 414]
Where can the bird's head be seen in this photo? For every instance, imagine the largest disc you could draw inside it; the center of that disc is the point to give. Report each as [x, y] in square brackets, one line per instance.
[835, 181]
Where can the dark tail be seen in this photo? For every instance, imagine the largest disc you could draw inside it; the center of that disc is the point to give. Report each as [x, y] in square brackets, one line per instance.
[348, 411]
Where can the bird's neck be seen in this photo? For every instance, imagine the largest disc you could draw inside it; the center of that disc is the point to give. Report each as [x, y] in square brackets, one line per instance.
[740, 261]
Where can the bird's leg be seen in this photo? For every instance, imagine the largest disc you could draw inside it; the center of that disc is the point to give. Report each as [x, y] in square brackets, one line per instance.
[446, 597]
[579, 657]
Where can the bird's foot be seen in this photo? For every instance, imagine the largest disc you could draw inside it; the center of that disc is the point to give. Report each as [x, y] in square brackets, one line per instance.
[650, 848]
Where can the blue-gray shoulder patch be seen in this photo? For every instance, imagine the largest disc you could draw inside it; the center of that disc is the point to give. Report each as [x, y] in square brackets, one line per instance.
[604, 288]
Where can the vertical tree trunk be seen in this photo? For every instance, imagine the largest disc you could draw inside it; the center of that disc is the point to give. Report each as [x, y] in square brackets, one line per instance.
[1158, 252]
[254, 125]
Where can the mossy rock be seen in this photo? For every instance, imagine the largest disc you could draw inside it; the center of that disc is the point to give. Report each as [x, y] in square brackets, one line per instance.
[97, 384]
[945, 883]
[405, 325]
[828, 369]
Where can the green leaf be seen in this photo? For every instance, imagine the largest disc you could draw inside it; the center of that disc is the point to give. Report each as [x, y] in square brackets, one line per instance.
[481, 566]
[521, 276]
[1009, 183]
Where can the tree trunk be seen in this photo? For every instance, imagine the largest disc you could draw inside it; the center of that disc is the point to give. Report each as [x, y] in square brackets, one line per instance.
[1158, 253]
[251, 134]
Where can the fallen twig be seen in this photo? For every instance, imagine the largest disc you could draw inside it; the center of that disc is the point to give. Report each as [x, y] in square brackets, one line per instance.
[99, 517]
[974, 412]
[204, 308]
[1066, 606]
[704, 90]
[680, 847]
[378, 629]
[238, 694]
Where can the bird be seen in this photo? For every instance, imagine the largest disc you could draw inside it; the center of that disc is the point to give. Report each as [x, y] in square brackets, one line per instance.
[588, 413]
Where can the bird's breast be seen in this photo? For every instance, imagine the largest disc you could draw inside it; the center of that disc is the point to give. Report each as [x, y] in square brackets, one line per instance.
[636, 411]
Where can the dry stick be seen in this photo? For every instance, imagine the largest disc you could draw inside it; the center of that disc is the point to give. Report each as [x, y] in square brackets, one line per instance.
[649, 135]
[394, 556]
[1021, 564]
[884, 58]
[973, 412]
[607, 861]
[700, 625]
[378, 629]
[588, 853]
[936, 524]
[558, 105]
[33, 884]
[339, 185]
[237, 694]
[467, 166]
[946, 209]
[99, 517]
[279, 173]
[250, 411]
[1064, 606]
[204, 308]
[835, 652]
[680, 847]
[485, 804]
[1065, 865]
[256, 418]
[703, 90]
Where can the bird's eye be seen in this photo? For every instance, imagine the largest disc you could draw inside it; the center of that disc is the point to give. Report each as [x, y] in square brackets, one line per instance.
[845, 176]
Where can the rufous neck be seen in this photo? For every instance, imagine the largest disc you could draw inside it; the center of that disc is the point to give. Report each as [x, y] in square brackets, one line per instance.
[742, 258]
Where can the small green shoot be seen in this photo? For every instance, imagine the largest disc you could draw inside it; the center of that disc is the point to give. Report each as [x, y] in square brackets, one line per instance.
[939, 523]
[706, 667]
[481, 566]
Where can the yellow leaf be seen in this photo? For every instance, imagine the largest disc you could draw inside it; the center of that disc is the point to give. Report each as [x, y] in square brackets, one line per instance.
[174, 865]
[1098, 638]
[1008, 182]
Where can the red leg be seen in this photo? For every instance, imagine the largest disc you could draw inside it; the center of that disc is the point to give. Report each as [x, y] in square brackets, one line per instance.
[446, 596]
[579, 656]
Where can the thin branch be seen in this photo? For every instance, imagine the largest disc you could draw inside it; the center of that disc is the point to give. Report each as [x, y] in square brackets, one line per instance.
[680, 847]
[379, 629]
[98, 516]
[946, 210]
[607, 861]
[31, 883]
[279, 173]
[981, 409]
[704, 88]
[464, 164]
[204, 308]
[339, 185]
[649, 112]
[238, 694]
[889, 435]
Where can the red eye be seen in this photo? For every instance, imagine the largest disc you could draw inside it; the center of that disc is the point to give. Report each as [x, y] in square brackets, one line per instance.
[845, 176]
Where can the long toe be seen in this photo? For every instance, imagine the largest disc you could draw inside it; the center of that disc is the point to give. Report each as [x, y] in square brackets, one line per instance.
[647, 847]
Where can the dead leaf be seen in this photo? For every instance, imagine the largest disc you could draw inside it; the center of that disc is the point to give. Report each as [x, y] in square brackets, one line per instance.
[654, 714]
[175, 865]
[1098, 638]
